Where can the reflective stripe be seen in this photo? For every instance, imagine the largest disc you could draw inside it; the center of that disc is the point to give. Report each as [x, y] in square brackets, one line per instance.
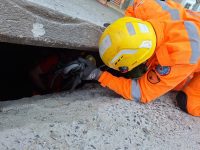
[105, 44]
[123, 52]
[131, 3]
[173, 12]
[143, 28]
[130, 28]
[194, 41]
[135, 90]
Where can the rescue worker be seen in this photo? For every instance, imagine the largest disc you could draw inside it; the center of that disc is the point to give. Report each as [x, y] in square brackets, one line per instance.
[49, 74]
[166, 38]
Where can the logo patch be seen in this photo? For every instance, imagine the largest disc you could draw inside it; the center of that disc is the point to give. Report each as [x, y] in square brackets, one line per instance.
[163, 70]
[152, 77]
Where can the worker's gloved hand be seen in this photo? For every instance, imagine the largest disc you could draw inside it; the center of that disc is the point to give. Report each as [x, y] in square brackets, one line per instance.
[90, 71]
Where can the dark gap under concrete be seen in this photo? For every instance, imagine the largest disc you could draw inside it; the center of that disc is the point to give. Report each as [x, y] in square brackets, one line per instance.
[16, 61]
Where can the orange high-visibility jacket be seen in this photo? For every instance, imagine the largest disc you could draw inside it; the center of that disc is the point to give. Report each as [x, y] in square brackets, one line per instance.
[177, 54]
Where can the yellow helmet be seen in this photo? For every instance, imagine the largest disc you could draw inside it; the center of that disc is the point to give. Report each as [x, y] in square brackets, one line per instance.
[127, 43]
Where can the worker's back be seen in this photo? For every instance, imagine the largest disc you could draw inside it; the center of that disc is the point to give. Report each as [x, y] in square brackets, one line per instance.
[177, 30]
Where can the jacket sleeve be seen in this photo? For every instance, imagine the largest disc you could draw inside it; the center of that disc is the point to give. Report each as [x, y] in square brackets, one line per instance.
[120, 85]
[155, 9]
[150, 86]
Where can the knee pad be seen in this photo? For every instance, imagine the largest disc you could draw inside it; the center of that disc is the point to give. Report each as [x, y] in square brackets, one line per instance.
[181, 100]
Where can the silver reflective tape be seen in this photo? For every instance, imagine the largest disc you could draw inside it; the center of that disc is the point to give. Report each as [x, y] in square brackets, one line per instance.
[194, 41]
[136, 94]
[187, 82]
[130, 28]
[146, 44]
[173, 12]
[123, 52]
[106, 43]
[143, 28]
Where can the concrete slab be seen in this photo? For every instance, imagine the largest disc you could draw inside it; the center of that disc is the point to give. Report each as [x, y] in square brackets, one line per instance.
[88, 10]
[95, 118]
[64, 24]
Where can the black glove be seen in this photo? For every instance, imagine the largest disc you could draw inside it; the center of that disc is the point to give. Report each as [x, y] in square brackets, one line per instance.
[77, 71]
[90, 71]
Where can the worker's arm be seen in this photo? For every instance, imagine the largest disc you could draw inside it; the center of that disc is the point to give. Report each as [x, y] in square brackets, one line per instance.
[155, 9]
[150, 86]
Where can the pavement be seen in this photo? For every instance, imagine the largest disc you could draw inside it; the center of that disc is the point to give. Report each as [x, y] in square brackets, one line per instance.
[95, 118]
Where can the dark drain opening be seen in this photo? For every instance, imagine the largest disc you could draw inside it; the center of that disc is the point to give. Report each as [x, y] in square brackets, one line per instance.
[16, 62]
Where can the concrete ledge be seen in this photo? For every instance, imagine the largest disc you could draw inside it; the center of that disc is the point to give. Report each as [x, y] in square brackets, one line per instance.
[41, 23]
